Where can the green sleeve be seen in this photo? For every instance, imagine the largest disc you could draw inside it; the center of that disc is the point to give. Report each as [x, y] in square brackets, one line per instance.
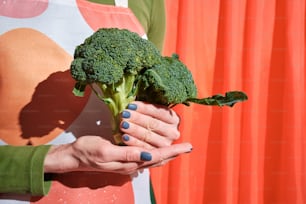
[156, 32]
[152, 16]
[21, 169]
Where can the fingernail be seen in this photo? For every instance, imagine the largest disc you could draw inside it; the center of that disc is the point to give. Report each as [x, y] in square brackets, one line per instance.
[125, 125]
[145, 156]
[189, 150]
[126, 114]
[132, 106]
[125, 137]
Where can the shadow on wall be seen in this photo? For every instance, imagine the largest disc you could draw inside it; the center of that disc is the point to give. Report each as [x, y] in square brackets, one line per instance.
[53, 105]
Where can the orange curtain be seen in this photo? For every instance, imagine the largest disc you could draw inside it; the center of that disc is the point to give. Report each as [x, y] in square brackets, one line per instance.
[254, 152]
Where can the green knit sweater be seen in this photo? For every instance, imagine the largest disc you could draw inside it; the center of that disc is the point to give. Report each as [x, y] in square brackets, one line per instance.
[21, 167]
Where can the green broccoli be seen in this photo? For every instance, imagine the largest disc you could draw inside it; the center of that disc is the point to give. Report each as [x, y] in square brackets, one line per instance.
[121, 67]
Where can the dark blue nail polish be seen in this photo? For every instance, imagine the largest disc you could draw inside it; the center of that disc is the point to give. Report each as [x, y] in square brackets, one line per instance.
[126, 138]
[125, 125]
[132, 106]
[145, 156]
[126, 114]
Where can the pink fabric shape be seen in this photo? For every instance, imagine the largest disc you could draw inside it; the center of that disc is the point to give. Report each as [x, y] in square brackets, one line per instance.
[118, 17]
[23, 9]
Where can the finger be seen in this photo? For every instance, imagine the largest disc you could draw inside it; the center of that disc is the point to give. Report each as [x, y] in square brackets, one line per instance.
[144, 135]
[160, 112]
[130, 159]
[132, 141]
[165, 153]
[160, 163]
[170, 131]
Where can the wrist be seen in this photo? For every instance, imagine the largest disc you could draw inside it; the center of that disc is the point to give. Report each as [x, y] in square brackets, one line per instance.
[59, 159]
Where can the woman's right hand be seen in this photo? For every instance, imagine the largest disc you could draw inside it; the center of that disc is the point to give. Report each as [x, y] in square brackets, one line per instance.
[93, 153]
[150, 126]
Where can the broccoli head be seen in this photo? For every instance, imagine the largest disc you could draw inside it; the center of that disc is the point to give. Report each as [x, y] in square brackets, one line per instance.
[121, 67]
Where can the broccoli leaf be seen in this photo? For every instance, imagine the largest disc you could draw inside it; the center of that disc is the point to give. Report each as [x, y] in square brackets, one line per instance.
[79, 89]
[229, 99]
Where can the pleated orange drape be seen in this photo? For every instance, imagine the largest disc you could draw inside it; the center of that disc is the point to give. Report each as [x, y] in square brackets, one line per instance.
[254, 152]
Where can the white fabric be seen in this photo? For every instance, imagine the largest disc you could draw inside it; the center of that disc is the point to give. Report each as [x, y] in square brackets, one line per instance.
[122, 3]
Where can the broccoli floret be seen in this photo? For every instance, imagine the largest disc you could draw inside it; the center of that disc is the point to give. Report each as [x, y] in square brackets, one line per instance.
[120, 67]
[167, 83]
[170, 83]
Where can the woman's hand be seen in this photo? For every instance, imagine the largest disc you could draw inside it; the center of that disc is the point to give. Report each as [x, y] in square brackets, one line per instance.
[93, 153]
[149, 131]
[149, 126]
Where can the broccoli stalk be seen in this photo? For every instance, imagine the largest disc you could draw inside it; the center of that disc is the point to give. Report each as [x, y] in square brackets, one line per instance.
[121, 67]
[117, 97]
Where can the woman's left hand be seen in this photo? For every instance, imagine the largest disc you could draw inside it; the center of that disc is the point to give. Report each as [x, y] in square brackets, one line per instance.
[150, 126]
